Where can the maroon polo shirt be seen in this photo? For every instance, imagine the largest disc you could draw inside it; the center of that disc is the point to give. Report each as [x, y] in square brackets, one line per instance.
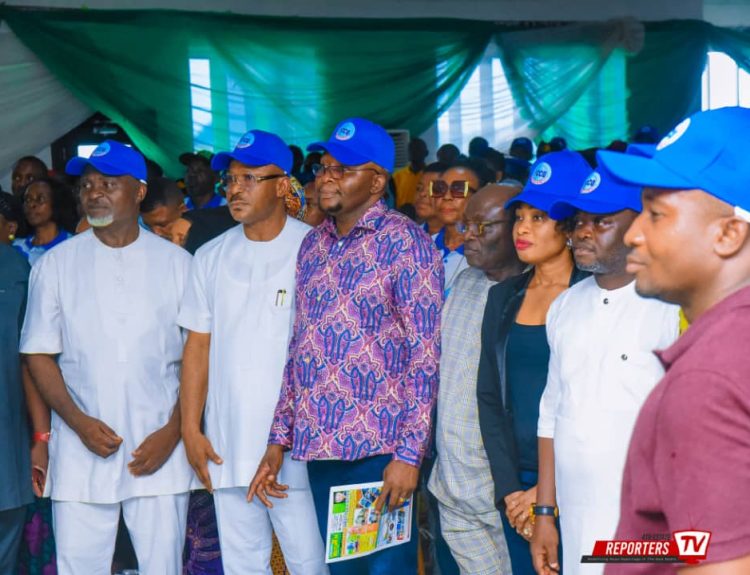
[688, 465]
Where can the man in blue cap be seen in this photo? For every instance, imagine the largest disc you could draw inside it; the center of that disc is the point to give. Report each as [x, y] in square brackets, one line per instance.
[363, 365]
[104, 349]
[238, 310]
[601, 335]
[686, 467]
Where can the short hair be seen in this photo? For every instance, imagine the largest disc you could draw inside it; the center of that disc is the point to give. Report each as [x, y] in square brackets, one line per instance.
[36, 162]
[478, 147]
[64, 212]
[298, 157]
[477, 167]
[435, 168]
[495, 159]
[414, 142]
[161, 192]
[516, 169]
[451, 149]
[153, 170]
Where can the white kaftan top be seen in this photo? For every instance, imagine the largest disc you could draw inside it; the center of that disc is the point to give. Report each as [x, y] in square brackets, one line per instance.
[111, 315]
[242, 293]
[602, 368]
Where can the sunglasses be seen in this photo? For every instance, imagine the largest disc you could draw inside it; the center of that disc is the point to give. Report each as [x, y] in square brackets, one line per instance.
[477, 228]
[458, 189]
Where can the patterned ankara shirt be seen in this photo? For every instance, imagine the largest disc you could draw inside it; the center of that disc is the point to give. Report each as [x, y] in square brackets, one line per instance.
[461, 478]
[362, 373]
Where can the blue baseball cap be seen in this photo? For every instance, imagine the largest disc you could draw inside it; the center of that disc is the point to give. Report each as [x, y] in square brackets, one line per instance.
[111, 159]
[602, 193]
[555, 176]
[697, 154]
[357, 141]
[257, 148]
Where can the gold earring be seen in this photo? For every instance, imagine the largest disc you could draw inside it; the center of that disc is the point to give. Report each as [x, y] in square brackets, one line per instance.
[11, 237]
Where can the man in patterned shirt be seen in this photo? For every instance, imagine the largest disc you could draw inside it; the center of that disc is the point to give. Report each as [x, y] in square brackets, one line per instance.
[363, 366]
[461, 479]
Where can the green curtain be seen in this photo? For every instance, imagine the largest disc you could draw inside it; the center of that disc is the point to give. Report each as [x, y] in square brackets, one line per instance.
[664, 77]
[181, 80]
[733, 42]
[569, 81]
[296, 77]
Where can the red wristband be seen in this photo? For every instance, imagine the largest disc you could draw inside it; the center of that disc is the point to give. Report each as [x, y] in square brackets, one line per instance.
[39, 436]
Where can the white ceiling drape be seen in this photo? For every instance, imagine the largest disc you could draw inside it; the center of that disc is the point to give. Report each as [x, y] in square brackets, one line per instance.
[35, 109]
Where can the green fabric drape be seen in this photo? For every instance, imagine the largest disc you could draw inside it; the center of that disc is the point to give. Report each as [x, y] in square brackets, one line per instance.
[665, 75]
[569, 81]
[589, 83]
[733, 42]
[296, 77]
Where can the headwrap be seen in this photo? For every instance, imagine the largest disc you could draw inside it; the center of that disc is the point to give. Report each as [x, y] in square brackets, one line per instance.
[295, 199]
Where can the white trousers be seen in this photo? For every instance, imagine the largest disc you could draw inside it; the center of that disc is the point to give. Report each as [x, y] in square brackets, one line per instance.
[245, 533]
[85, 534]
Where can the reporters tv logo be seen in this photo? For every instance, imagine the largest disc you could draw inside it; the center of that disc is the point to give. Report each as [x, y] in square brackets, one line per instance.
[688, 546]
[692, 546]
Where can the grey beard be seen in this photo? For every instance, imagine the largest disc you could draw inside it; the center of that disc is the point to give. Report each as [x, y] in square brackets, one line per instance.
[102, 222]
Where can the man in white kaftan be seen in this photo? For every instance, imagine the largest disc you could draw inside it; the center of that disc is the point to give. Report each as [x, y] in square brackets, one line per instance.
[104, 349]
[602, 336]
[239, 310]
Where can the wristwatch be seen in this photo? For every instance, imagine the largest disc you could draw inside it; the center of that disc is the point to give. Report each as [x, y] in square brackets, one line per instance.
[548, 510]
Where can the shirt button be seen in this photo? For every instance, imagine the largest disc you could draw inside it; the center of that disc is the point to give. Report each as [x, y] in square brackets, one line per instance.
[606, 300]
[624, 357]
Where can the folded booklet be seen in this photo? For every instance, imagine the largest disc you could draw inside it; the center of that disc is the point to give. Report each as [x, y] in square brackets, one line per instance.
[355, 529]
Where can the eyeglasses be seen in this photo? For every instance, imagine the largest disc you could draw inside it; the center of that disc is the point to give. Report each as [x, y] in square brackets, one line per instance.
[337, 172]
[247, 180]
[458, 188]
[477, 228]
[35, 201]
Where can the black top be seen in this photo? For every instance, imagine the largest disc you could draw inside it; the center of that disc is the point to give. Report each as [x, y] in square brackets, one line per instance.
[496, 413]
[526, 369]
[207, 223]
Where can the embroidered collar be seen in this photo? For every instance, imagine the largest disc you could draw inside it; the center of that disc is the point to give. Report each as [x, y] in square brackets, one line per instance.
[61, 236]
[440, 244]
[370, 220]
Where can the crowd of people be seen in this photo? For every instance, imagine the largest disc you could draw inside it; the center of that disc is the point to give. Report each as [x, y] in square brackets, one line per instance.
[542, 349]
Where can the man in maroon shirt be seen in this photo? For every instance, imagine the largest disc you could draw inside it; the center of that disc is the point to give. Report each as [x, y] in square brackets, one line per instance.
[688, 465]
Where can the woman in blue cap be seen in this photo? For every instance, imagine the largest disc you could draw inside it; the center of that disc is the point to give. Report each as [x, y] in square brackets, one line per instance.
[515, 353]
